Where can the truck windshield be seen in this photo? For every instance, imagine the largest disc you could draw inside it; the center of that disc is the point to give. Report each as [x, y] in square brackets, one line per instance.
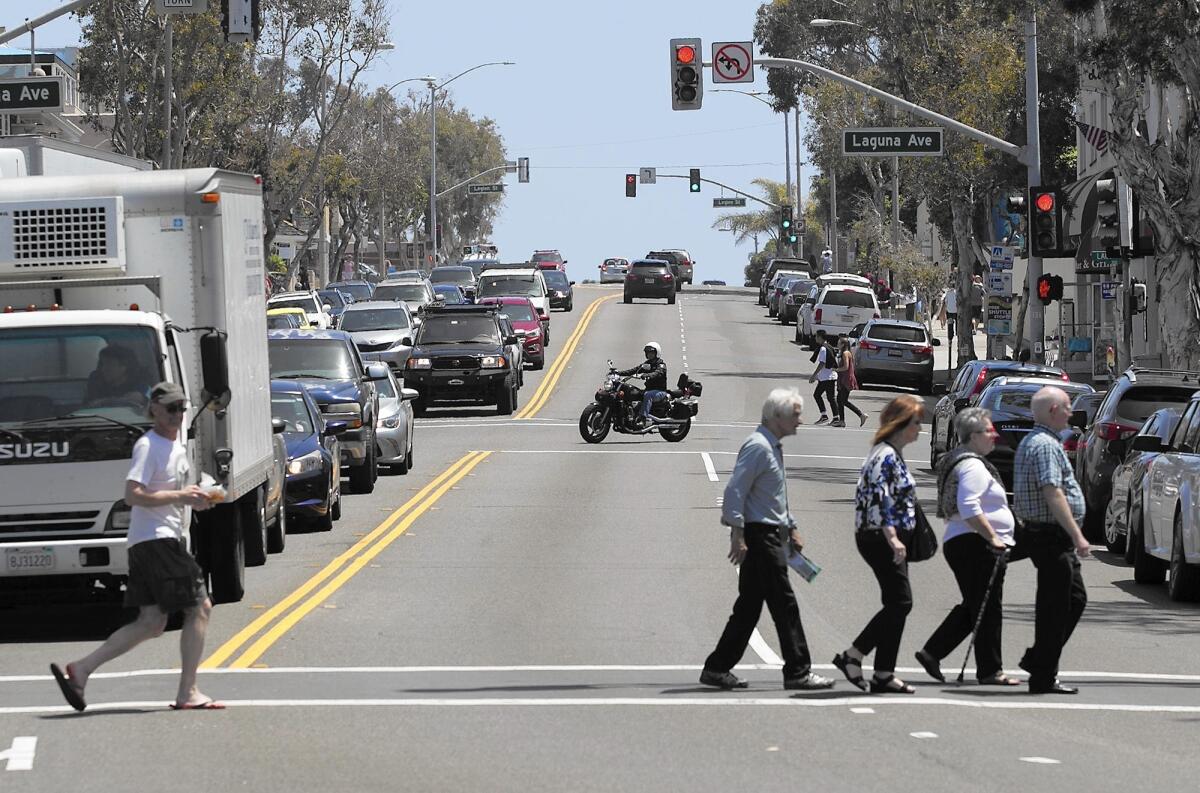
[77, 370]
[451, 275]
[463, 329]
[325, 359]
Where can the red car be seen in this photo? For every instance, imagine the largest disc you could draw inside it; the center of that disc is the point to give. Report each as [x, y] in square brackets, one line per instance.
[548, 260]
[524, 318]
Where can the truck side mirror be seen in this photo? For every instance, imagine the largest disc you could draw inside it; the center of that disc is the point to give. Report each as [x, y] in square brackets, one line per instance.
[214, 365]
[278, 426]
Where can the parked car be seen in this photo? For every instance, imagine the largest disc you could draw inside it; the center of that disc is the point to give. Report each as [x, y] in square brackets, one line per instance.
[460, 358]
[838, 308]
[450, 295]
[895, 352]
[776, 287]
[1134, 395]
[548, 260]
[972, 376]
[360, 290]
[612, 271]
[774, 266]
[309, 302]
[283, 318]
[650, 278]
[673, 259]
[794, 293]
[1072, 437]
[460, 275]
[313, 491]
[805, 332]
[562, 290]
[415, 294]
[523, 316]
[1165, 533]
[1128, 478]
[328, 364]
[520, 282]
[382, 330]
[1008, 399]
[337, 301]
[395, 425]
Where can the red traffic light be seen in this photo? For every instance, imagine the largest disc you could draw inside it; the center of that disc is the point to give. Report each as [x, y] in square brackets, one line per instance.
[1044, 202]
[685, 53]
[630, 178]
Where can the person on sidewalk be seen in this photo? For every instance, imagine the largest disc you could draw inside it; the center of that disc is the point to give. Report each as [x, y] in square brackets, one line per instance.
[885, 510]
[163, 576]
[846, 382]
[979, 532]
[1048, 499]
[825, 376]
[950, 303]
[761, 531]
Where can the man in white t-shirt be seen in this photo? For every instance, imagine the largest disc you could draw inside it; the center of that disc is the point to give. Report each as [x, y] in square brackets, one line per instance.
[163, 576]
[825, 376]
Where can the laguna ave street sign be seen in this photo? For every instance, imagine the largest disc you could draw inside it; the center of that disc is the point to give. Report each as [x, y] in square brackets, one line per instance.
[31, 93]
[892, 141]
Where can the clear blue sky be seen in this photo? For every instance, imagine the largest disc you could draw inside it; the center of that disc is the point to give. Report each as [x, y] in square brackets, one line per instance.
[587, 102]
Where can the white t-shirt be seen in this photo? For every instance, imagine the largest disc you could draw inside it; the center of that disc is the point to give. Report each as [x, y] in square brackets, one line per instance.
[824, 373]
[158, 464]
[979, 494]
[951, 301]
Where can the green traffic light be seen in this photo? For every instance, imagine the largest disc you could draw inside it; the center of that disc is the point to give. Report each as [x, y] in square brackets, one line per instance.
[787, 224]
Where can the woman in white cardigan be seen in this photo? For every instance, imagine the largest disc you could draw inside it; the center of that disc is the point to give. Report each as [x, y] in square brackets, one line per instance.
[979, 529]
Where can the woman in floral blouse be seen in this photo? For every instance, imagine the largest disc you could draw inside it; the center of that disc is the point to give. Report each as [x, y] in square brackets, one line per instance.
[884, 511]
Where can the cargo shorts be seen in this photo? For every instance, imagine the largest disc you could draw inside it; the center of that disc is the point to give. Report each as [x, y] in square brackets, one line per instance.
[162, 573]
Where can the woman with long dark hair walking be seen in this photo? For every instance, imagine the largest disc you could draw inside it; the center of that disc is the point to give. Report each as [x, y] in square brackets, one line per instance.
[847, 381]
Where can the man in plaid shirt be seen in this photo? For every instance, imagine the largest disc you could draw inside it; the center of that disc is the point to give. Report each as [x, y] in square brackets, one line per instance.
[1047, 497]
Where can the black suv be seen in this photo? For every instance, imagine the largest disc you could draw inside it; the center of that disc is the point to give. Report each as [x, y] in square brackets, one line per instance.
[672, 258]
[651, 278]
[1133, 397]
[461, 356]
[967, 385]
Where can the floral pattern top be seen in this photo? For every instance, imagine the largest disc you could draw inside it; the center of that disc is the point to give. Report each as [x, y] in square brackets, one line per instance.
[886, 493]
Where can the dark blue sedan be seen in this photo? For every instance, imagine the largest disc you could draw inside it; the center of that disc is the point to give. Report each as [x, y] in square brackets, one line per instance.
[314, 470]
[451, 294]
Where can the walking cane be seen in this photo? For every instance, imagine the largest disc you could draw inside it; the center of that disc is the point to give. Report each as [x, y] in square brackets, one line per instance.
[1000, 559]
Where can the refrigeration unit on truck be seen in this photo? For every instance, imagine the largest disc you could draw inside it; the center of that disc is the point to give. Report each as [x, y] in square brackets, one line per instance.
[109, 284]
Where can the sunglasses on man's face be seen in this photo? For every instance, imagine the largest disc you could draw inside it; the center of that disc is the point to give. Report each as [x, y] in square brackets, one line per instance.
[178, 407]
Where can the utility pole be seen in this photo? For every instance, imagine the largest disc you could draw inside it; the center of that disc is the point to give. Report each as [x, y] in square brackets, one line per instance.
[322, 270]
[833, 225]
[1033, 164]
[799, 216]
[168, 90]
[433, 170]
[382, 269]
[787, 174]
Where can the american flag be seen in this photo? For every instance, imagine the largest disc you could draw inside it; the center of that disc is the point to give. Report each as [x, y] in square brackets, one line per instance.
[1094, 135]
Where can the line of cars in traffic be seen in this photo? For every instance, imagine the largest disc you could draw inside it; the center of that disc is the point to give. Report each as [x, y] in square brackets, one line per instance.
[659, 275]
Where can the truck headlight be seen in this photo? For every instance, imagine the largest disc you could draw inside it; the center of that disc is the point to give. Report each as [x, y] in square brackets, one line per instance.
[349, 412]
[118, 517]
[420, 363]
[305, 464]
[492, 362]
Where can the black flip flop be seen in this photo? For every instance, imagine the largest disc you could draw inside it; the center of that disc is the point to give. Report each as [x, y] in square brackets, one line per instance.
[69, 692]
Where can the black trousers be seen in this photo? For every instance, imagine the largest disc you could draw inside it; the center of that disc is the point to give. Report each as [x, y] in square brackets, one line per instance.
[1061, 598]
[843, 401]
[883, 632]
[826, 388]
[971, 558]
[763, 577]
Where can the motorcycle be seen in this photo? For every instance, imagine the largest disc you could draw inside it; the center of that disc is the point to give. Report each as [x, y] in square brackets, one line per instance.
[618, 406]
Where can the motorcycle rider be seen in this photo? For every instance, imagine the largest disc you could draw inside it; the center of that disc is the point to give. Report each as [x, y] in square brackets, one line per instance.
[653, 371]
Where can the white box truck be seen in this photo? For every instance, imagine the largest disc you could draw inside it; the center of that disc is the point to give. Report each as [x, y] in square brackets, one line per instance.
[108, 284]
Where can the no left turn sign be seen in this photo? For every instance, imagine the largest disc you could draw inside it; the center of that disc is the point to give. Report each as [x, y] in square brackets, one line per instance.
[733, 61]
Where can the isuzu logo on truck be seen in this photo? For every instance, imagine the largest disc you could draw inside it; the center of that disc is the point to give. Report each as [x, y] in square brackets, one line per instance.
[30, 451]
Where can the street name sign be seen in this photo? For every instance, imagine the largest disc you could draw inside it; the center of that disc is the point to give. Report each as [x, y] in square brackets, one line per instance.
[728, 202]
[180, 6]
[476, 189]
[1099, 263]
[892, 141]
[1001, 257]
[31, 93]
[648, 175]
[733, 61]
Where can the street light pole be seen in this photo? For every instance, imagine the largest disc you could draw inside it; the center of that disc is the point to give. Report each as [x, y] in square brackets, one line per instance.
[433, 170]
[1033, 165]
[799, 216]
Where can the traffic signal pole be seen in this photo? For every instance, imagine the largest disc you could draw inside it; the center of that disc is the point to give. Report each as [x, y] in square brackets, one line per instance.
[1033, 166]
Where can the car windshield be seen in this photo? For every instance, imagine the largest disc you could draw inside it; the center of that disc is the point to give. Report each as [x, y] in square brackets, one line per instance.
[1015, 400]
[386, 388]
[556, 279]
[1139, 402]
[374, 319]
[291, 410]
[326, 359]
[615, 263]
[518, 312]
[450, 294]
[451, 275]
[282, 322]
[546, 257]
[406, 292]
[307, 304]
[522, 285]
[333, 297]
[897, 333]
[849, 298]
[357, 291]
[442, 329]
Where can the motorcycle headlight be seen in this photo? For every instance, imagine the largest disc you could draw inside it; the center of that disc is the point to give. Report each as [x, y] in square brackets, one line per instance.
[305, 464]
[390, 422]
[492, 362]
[419, 363]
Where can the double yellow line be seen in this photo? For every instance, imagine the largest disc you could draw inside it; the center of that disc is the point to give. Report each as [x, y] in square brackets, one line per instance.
[280, 618]
[542, 394]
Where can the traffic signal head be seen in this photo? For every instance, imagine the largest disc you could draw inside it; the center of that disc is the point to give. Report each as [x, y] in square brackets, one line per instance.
[687, 76]
[1045, 224]
[1109, 211]
[694, 180]
[1056, 287]
[785, 217]
[631, 185]
[787, 226]
[1043, 288]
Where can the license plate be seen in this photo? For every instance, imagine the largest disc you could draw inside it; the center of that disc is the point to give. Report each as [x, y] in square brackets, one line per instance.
[896, 353]
[28, 560]
[847, 317]
[648, 279]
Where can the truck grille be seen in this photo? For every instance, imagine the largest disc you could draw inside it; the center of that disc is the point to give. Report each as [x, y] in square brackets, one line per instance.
[36, 522]
[456, 362]
[61, 235]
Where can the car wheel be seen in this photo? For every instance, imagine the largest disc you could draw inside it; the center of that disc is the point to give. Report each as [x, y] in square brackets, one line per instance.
[1133, 519]
[671, 300]
[505, 400]
[325, 522]
[362, 477]
[1183, 579]
[571, 305]
[419, 406]
[1146, 568]
[254, 527]
[336, 509]
[408, 458]
[226, 553]
[277, 534]
[628, 299]
[540, 363]
[1114, 539]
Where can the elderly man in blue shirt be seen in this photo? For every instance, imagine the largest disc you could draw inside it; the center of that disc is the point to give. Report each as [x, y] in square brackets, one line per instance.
[761, 529]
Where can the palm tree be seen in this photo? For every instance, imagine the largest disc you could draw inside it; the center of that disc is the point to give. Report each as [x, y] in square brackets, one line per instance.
[746, 225]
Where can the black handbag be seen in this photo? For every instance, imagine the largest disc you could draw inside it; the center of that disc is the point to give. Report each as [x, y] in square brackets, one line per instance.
[921, 543]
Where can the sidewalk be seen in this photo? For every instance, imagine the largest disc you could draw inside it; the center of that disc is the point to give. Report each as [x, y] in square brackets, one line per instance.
[942, 354]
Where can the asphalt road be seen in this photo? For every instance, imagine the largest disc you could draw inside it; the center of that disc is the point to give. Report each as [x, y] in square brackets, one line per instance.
[527, 612]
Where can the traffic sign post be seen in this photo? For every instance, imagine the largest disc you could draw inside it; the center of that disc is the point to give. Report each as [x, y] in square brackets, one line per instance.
[477, 189]
[1001, 257]
[733, 61]
[648, 175]
[892, 142]
[31, 93]
[728, 202]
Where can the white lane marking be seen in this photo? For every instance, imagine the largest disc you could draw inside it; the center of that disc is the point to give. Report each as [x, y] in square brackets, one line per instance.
[20, 755]
[709, 468]
[862, 710]
[923, 735]
[1040, 760]
[857, 459]
[719, 700]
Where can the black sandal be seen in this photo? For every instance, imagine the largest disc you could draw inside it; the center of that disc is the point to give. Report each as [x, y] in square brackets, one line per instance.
[890, 685]
[843, 662]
